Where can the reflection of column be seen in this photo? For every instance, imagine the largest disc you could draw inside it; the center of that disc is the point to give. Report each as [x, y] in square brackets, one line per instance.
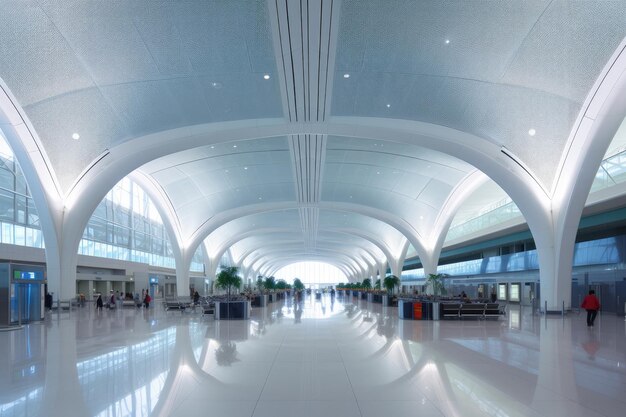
[556, 364]
[62, 392]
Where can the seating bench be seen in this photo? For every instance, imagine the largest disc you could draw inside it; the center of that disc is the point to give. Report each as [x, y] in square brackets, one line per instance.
[472, 310]
[492, 310]
[450, 310]
[176, 305]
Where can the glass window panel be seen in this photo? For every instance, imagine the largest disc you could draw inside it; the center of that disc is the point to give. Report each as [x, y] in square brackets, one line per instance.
[122, 236]
[20, 235]
[6, 205]
[7, 233]
[20, 184]
[20, 206]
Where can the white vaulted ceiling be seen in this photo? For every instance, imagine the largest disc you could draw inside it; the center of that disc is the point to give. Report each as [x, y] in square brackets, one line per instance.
[270, 91]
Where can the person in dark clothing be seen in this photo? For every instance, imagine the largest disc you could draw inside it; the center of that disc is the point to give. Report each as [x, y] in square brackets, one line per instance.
[48, 301]
[196, 297]
[99, 303]
[592, 305]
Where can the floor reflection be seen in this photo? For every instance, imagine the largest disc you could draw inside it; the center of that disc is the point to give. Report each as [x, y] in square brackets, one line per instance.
[327, 357]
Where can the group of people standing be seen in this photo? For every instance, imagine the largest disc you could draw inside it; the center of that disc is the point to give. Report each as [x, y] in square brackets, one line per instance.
[116, 299]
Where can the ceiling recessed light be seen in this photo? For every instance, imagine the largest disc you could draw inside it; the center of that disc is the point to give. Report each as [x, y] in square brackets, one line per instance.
[260, 198]
[346, 75]
[212, 147]
[226, 171]
[532, 132]
[350, 196]
[234, 146]
[216, 85]
[266, 77]
[377, 172]
[447, 41]
[75, 136]
[245, 168]
[388, 105]
[421, 217]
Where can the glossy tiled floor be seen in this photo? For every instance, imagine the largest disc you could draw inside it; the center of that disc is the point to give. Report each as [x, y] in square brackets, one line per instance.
[317, 359]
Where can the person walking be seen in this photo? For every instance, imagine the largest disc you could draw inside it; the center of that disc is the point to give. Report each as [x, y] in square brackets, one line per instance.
[99, 303]
[592, 305]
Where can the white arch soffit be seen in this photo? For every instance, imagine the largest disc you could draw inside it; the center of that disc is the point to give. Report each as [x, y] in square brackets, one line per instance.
[457, 197]
[600, 117]
[224, 217]
[37, 170]
[163, 205]
[222, 246]
[329, 256]
[529, 195]
[218, 247]
[598, 121]
[251, 255]
[271, 230]
[272, 266]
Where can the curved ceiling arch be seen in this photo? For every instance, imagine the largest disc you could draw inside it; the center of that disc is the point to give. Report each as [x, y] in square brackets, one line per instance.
[273, 233]
[248, 256]
[270, 267]
[225, 217]
[478, 152]
[356, 261]
[228, 234]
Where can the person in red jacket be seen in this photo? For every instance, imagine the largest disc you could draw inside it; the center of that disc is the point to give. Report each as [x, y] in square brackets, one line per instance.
[592, 305]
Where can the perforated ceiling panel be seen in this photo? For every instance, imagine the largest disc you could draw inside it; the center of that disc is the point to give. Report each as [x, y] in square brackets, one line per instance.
[155, 65]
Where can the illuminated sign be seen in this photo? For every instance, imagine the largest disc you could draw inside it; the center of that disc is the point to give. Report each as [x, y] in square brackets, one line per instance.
[27, 275]
[501, 291]
[514, 291]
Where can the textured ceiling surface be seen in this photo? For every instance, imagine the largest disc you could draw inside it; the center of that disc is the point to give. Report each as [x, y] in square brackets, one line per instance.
[116, 71]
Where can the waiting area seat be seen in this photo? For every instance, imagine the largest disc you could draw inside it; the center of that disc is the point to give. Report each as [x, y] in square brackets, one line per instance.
[451, 310]
[470, 310]
[176, 304]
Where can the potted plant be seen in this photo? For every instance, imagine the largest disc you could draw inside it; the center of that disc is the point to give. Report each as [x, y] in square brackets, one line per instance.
[435, 281]
[390, 282]
[227, 278]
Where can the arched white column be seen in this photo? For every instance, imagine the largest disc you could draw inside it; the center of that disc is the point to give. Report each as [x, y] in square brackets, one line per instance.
[43, 185]
[603, 112]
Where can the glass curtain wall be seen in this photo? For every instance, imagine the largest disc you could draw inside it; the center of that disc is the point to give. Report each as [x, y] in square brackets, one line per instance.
[127, 226]
[19, 221]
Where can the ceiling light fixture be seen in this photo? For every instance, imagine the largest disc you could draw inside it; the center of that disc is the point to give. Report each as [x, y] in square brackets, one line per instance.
[266, 77]
[388, 105]
[234, 146]
[346, 75]
[532, 132]
[447, 41]
[245, 168]
[75, 136]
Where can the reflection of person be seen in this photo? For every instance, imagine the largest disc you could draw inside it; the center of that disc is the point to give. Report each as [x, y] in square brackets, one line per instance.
[146, 300]
[591, 346]
[592, 305]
